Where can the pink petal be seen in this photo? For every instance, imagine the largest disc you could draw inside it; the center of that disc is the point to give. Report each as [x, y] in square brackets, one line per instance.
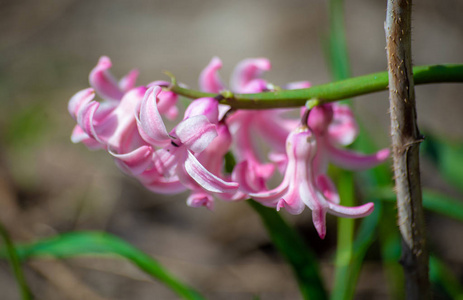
[104, 82]
[327, 188]
[343, 129]
[292, 201]
[79, 100]
[206, 179]
[79, 136]
[297, 85]
[167, 104]
[246, 71]
[85, 119]
[208, 107]
[157, 183]
[128, 81]
[150, 124]
[351, 212]
[252, 175]
[319, 221]
[353, 160]
[135, 162]
[119, 129]
[223, 109]
[196, 133]
[166, 100]
[166, 159]
[199, 199]
[254, 86]
[172, 113]
[320, 118]
[209, 80]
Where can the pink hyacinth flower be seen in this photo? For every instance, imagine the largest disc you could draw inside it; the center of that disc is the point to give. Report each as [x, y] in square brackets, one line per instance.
[115, 130]
[106, 85]
[300, 188]
[179, 147]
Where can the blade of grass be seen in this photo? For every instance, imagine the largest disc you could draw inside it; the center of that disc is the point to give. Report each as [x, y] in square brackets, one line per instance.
[300, 257]
[447, 156]
[441, 276]
[13, 258]
[90, 243]
[344, 281]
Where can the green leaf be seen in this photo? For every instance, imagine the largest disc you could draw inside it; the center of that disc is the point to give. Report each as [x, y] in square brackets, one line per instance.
[447, 156]
[90, 243]
[293, 248]
[441, 276]
[13, 258]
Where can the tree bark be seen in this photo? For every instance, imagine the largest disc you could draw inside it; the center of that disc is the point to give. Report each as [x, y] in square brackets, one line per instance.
[405, 148]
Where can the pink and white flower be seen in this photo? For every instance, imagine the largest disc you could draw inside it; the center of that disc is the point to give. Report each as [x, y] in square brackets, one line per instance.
[302, 187]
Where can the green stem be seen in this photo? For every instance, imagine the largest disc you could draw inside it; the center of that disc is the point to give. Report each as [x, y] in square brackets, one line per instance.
[15, 264]
[330, 92]
[294, 250]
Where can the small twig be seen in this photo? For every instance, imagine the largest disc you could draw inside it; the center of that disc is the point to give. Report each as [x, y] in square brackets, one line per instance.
[405, 148]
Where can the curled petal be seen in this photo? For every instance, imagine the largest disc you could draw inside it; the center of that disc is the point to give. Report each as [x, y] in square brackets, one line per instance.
[166, 159]
[328, 189]
[292, 202]
[79, 136]
[208, 107]
[246, 71]
[355, 161]
[206, 179]
[198, 199]
[319, 221]
[85, 119]
[343, 129]
[255, 86]
[79, 100]
[157, 183]
[351, 212]
[271, 197]
[135, 162]
[167, 104]
[252, 176]
[104, 82]
[209, 80]
[150, 123]
[196, 133]
[128, 81]
[166, 100]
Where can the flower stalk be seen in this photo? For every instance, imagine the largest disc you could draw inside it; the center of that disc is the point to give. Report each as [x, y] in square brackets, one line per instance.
[329, 92]
[406, 139]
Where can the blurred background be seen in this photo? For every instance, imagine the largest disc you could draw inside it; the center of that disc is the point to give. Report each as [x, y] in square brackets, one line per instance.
[49, 185]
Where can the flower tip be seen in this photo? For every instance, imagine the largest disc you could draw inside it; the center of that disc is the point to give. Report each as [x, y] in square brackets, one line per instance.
[369, 207]
[383, 154]
[319, 221]
[263, 64]
[104, 62]
[216, 62]
[321, 230]
[199, 200]
[280, 204]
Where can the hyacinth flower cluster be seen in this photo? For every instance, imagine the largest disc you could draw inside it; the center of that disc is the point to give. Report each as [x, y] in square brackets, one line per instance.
[128, 122]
